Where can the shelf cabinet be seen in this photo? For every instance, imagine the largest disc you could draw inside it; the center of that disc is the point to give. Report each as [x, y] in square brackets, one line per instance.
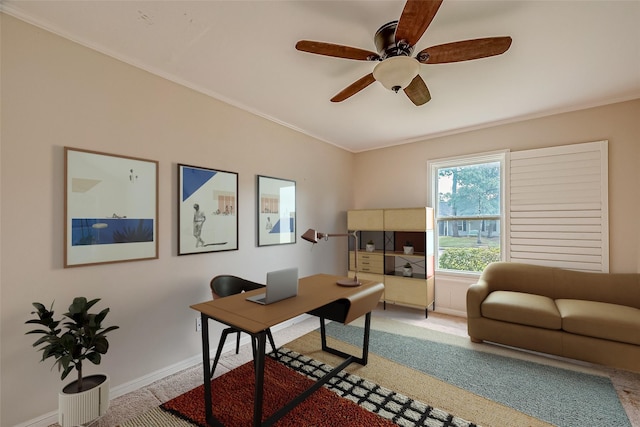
[390, 230]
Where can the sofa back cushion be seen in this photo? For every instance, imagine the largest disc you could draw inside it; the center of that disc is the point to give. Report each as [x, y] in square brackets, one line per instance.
[517, 277]
[613, 288]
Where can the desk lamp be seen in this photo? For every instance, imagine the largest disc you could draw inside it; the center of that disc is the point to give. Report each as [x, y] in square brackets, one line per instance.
[313, 236]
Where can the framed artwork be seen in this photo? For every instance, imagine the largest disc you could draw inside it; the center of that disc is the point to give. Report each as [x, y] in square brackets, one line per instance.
[110, 208]
[276, 211]
[207, 210]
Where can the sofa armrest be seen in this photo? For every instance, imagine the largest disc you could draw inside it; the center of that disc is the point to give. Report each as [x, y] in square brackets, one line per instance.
[476, 293]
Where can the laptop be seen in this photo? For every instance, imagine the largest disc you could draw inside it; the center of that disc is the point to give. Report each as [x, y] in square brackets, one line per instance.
[281, 284]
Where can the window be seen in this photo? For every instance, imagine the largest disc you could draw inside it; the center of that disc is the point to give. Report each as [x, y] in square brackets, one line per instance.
[467, 196]
[546, 206]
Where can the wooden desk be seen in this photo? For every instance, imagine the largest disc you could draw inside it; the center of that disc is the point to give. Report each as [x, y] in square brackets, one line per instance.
[318, 295]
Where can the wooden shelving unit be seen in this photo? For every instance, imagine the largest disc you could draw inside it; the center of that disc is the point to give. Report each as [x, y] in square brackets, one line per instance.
[390, 230]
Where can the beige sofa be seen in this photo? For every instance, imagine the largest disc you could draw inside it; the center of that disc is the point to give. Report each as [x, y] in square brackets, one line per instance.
[593, 317]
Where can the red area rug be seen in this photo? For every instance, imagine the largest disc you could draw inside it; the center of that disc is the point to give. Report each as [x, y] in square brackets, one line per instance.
[232, 396]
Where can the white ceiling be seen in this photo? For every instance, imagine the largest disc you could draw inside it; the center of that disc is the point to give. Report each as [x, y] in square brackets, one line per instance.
[566, 55]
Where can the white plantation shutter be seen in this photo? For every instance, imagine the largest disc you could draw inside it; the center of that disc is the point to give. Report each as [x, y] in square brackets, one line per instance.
[558, 207]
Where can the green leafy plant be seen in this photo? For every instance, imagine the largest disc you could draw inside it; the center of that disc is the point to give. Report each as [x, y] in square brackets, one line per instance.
[407, 265]
[80, 338]
[408, 244]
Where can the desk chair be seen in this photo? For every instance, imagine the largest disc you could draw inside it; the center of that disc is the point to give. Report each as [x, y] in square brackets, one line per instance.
[224, 286]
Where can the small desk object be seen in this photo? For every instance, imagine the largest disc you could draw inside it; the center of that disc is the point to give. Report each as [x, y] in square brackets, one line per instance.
[318, 295]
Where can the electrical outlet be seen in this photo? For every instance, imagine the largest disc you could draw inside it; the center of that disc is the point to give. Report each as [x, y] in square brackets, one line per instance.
[198, 324]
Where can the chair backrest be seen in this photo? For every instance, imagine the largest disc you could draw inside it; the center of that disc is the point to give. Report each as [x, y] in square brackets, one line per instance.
[225, 285]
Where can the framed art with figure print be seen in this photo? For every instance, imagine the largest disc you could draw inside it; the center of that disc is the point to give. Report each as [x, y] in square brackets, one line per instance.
[207, 210]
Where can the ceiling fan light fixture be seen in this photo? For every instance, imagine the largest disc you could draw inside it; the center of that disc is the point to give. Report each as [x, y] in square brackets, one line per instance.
[397, 72]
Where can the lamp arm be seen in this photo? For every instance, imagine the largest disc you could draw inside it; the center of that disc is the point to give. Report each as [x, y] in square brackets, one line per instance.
[326, 236]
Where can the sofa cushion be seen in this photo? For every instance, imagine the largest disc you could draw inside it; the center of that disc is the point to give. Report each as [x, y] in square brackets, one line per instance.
[522, 308]
[600, 320]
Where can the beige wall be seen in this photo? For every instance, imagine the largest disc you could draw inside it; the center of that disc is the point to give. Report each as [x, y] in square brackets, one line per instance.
[56, 93]
[397, 176]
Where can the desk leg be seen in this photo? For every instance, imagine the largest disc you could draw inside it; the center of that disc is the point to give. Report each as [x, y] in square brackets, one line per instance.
[326, 378]
[206, 363]
[365, 343]
[259, 371]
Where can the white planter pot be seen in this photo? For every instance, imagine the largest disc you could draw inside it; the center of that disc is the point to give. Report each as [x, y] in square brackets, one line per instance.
[370, 248]
[408, 250]
[75, 409]
[407, 271]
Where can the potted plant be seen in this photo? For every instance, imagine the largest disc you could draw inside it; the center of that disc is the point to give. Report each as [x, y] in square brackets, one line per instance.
[408, 248]
[370, 247]
[407, 270]
[81, 337]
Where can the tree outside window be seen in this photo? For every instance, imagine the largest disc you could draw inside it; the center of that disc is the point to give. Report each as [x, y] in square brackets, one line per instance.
[468, 211]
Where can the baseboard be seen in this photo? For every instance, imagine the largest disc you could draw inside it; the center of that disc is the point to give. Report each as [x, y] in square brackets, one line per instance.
[138, 383]
[41, 421]
[152, 377]
[457, 313]
[188, 363]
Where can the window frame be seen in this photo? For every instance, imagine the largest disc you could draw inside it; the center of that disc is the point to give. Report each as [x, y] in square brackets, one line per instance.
[433, 166]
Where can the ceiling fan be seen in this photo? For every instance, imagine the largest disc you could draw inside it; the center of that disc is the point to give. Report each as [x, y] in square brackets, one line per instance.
[395, 42]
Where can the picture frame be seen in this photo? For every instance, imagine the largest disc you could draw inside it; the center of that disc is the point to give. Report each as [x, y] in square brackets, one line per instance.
[110, 208]
[276, 211]
[207, 210]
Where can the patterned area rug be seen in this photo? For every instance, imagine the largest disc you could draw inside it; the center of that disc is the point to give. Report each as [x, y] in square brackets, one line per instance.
[560, 396]
[400, 409]
[347, 400]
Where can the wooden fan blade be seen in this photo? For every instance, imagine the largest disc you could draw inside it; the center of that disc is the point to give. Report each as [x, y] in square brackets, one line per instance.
[416, 17]
[464, 50]
[417, 91]
[354, 88]
[336, 50]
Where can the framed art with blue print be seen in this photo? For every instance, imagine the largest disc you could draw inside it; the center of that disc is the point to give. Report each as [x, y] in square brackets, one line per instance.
[111, 208]
[276, 211]
[207, 210]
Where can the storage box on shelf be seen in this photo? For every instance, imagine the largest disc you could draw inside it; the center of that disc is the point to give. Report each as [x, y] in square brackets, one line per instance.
[390, 230]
